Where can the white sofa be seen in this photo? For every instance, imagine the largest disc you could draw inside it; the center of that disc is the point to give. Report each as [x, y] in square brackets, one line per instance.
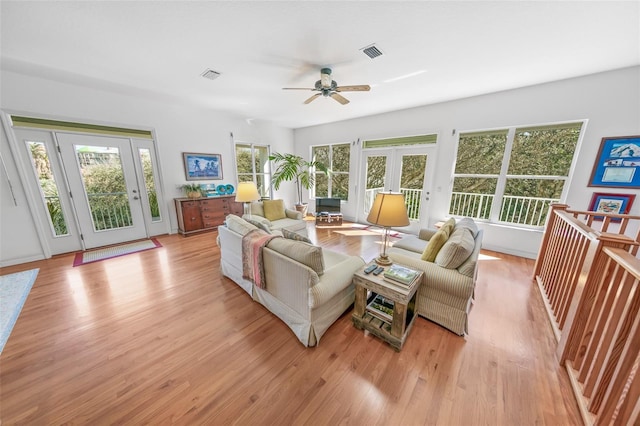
[306, 286]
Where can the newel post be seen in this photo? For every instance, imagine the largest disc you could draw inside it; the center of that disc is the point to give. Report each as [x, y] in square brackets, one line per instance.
[593, 275]
[546, 236]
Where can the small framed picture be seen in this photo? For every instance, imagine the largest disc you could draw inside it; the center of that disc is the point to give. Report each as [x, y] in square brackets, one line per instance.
[611, 203]
[202, 166]
[618, 162]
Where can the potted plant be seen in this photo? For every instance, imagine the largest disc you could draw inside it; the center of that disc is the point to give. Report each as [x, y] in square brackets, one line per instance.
[192, 190]
[291, 167]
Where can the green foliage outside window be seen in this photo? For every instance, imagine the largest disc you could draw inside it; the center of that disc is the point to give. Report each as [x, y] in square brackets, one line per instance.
[539, 162]
[337, 157]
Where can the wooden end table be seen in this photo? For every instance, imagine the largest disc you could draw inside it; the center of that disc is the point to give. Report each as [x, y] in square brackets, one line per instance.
[393, 332]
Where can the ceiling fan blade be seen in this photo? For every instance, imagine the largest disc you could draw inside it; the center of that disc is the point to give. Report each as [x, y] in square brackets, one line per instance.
[296, 88]
[312, 98]
[357, 88]
[339, 98]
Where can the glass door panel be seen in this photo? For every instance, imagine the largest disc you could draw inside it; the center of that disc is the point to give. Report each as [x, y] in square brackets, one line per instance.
[48, 187]
[375, 178]
[150, 184]
[413, 168]
[104, 185]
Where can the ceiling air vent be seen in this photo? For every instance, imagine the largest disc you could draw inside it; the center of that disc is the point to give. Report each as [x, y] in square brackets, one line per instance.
[372, 51]
[211, 74]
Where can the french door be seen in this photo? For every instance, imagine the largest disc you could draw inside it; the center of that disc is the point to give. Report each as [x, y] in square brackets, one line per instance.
[406, 170]
[96, 190]
[104, 188]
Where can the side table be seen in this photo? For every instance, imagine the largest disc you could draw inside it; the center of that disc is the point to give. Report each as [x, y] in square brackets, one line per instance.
[395, 331]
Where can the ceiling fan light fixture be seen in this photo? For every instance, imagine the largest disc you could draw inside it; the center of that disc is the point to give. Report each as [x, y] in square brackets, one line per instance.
[325, 77]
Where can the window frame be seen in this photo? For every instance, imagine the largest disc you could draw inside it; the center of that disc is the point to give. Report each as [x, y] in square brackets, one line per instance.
[503, 176]
[268, 193]
[312, 194]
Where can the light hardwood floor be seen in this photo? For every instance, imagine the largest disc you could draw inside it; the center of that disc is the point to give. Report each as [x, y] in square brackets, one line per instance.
[161, 337]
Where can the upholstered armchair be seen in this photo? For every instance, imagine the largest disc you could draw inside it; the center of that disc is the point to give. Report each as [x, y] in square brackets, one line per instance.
[272, 215]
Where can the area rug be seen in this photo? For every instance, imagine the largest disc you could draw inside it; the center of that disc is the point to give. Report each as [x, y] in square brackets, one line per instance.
[359, 230]
[14, 289]
[84, 257]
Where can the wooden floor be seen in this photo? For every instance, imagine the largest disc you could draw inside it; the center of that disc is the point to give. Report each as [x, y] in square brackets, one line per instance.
[161, 337]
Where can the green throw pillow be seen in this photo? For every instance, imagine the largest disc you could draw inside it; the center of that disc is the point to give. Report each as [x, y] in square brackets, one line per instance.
[295, 236]
[449, 225]
[274, 209]
[435, 244]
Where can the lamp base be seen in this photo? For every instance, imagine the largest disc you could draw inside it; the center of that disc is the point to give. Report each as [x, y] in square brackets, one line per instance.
[383, 260]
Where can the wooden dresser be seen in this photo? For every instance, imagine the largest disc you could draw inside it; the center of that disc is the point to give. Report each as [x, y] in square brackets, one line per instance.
[201, 214]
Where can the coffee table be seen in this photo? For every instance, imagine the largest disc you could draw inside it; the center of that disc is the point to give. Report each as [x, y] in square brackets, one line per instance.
[394, 331]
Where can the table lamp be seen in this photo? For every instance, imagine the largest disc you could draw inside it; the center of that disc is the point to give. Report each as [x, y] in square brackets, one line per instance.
[388, 210]
[247, 192]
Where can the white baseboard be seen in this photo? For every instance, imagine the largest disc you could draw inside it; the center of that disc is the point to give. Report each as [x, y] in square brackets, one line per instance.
[20, 260]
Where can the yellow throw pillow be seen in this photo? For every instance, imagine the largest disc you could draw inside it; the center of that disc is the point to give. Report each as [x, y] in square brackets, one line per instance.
[449, 225]
[274, 209]
[435, 244]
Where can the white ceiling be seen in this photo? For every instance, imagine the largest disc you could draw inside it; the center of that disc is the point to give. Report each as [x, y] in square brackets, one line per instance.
[158, 49]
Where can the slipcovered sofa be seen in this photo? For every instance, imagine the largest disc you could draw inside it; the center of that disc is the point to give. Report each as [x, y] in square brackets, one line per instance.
[272, 215]
[449, 259]
[306, 286]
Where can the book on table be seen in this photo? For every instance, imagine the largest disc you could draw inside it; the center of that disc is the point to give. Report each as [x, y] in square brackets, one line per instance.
[400, 274]
[381, 308]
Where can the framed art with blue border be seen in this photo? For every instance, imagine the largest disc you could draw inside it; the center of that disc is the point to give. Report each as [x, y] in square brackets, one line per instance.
[618, 162]
[202, 166]
[611, 203]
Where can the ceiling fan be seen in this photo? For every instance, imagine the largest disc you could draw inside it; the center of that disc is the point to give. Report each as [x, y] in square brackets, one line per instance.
[328, 87]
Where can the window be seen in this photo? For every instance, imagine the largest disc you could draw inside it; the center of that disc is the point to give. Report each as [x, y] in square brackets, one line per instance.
[336, 158]
[252, 165]
[48, 187]
[512, 175]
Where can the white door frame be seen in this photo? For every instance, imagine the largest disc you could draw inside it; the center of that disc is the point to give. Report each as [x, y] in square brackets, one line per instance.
[92, 238]
[392, 178]
[22, 161]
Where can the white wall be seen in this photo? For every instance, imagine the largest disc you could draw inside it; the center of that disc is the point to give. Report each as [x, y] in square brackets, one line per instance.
[609, 101]
[178, 128]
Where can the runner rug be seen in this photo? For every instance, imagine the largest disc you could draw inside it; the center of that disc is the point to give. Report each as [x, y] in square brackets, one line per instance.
[14, 289]
[84, 257]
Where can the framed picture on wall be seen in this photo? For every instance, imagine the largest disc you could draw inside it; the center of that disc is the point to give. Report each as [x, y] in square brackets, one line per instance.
[611, 203]
[618, 163]
[199, 166]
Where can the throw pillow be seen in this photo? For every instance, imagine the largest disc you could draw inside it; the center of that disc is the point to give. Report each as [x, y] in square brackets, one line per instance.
[456, 250]
[239, 225]
[306, 254]
[295, 236]
[449, 225]
[435, 244]
[260, 225]
[274, 209]
[469, 224]
[255, 208]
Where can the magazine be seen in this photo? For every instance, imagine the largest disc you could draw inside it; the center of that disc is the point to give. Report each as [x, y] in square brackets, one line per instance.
[381, 308]
[400, 274]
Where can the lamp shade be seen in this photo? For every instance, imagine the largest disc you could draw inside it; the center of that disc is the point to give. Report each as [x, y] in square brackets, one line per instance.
[247, 191]
[388, 209]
